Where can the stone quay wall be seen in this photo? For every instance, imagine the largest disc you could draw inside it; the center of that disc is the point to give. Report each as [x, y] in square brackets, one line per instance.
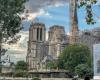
[10, 78]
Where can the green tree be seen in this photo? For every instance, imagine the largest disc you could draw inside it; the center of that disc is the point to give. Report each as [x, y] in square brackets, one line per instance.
[21, 65]
[83, 69]
[20, 73]
[73, 55]
[52, 65]
[36, 78]
[10, 21]
[21, 69]
[88, 4]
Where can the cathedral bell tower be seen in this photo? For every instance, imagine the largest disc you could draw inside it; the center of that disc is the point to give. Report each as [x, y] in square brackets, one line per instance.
[37, 32]
[74, 22]
[35, 45]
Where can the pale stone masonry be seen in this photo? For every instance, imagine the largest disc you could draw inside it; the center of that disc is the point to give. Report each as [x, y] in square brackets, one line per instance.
[41, 51]
[89, 37]
[57, 40]
[74, 31]
[36, 46]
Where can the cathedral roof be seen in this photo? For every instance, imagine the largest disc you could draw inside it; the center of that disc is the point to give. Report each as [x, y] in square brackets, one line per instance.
[56, 27]
[96, 32]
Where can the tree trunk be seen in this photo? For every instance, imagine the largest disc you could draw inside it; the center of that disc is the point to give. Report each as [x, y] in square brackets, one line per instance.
[0, 59]
[0, 52]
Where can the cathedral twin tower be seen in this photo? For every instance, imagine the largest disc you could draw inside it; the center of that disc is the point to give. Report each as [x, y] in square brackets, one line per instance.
[40, 50]
[37, 32]
[35, 43]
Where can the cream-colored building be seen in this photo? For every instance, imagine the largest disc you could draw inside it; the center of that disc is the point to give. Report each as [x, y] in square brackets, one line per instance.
[39, 50]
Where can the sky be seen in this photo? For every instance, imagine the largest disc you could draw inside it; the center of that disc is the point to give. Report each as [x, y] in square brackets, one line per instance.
[49, 12]
[56, 12]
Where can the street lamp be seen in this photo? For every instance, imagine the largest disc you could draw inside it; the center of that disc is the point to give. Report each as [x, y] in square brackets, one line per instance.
[2, 52]
[13, 71]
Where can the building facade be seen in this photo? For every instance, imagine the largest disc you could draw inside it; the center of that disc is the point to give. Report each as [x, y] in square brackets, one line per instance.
[89, 37]
[57, 40]
[39, 50]
[36, 52]
[74, 31]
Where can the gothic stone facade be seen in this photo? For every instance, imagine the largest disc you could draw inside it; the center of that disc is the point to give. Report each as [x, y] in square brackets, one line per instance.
[36, 45]
[74, 22]
[57, 40]
[39, 50]
[89, 37]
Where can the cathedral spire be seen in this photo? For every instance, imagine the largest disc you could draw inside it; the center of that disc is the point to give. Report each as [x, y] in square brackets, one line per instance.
[74, 22]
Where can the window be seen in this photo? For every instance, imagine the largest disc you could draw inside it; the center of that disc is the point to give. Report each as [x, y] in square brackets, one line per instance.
[37, 33]
[41, 34]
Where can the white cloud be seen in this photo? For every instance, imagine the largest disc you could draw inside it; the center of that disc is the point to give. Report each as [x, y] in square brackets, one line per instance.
[59, 4]
[18, 51]
[98, 20]
[32, 16]
[46, 36]
[35, 5]
[29, 16]
[68, 33]
[44, 13]
[98, 3]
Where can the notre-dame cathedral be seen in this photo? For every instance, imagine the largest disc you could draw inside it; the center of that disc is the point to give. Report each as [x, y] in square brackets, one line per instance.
[40, 50]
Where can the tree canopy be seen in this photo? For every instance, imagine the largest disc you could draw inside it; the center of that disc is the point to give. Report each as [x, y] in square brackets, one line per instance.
[73, 55]
[10, 21]
[21, 69]
[83, 69]
[88, 4]
[21, 65]
[52, 65]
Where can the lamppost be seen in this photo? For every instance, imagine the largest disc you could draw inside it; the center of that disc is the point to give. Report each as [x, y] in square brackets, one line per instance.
[2, 53]
[5, 60]
[13, 71]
